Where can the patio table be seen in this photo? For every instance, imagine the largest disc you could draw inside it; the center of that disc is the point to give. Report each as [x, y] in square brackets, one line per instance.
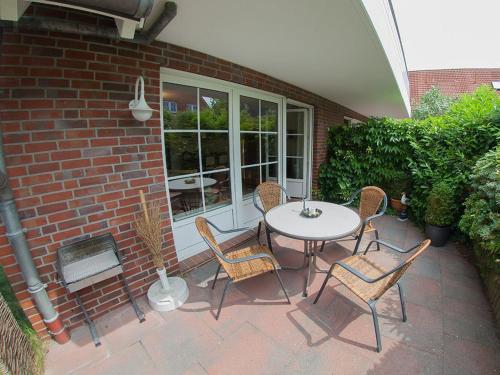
[189, 188]
[334, 223]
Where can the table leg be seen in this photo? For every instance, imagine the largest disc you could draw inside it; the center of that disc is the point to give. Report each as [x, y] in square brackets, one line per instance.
[304, 263]
[310, 252]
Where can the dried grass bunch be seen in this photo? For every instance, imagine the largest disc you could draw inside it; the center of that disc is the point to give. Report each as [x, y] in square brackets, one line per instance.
[17, 355]
[149, 227]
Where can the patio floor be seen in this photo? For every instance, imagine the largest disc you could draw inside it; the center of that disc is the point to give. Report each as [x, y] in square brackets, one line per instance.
[450, 328]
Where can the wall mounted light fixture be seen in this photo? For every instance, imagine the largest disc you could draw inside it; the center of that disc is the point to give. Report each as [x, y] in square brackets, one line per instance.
[140, 109]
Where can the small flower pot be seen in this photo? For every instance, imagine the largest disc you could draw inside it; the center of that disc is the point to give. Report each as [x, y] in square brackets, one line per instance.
[438, 235]
[397, 205]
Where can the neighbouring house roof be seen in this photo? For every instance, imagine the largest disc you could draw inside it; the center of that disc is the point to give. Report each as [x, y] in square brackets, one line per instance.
[450, 82]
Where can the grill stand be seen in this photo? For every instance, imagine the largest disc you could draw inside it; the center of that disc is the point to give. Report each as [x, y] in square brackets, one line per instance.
[74, 288]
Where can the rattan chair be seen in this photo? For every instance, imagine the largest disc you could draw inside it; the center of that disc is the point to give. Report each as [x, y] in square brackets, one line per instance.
[369, 281]
[239, 264]
[271, 195]
[369, 204]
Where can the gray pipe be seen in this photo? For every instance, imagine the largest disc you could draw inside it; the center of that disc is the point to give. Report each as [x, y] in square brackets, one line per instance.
[17, 239]
[63, 26]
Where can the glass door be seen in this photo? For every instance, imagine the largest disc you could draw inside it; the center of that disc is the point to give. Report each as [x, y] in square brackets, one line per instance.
[296, 152]
[257, 137]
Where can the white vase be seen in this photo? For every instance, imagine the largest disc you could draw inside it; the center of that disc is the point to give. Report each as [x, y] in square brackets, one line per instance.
[167, 294]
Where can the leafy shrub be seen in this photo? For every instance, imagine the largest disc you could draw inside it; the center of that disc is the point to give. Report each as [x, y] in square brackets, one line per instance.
[441, 206]
[481, 219]
[374, 153]
[385, 151]
[432, 103]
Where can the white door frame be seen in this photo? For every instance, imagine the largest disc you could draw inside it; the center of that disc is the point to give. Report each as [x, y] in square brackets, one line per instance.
[309, 142]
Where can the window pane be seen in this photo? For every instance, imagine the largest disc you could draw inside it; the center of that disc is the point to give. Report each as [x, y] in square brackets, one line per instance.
[295, 145]
[294, 168]
[214, 151]
[213, 110]
[217, 190]
[181, 150]
[179, 107]
[249, 113]
[250, 180]
[249, 149]
[269, 116]
[295, 123]
[270, 172]
[269, 147]
[185, 197]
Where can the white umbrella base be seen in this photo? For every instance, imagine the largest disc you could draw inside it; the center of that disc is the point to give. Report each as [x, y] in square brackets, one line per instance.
[170, 299]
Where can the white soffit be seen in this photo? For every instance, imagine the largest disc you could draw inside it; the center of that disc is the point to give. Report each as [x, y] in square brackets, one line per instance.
[327, 47]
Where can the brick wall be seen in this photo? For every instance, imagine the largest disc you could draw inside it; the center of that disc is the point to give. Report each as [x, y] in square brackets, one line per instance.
[76, 158]
[452, 82]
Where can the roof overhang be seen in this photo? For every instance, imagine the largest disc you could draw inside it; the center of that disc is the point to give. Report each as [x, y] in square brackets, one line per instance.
[346, 51]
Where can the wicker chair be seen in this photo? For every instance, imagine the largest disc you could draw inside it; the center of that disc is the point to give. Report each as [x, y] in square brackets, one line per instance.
[270, 194]
[369, 203]
[370, 281]
[239, 264]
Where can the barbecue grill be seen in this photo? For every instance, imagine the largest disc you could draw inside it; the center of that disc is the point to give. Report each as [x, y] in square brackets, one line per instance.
[87, 262]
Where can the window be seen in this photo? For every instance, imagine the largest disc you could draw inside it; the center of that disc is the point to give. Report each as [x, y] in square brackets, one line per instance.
[171, 106]
[197, 149]
[258, 143]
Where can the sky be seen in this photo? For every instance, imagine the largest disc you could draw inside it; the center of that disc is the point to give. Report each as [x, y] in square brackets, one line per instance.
[447, 34]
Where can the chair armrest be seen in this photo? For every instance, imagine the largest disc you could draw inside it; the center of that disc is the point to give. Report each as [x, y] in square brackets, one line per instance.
[231, 230]
[250, 257]
[362, 276]
[390, 246]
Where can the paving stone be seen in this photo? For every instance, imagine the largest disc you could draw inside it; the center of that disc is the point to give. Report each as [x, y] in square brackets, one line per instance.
[467, 357]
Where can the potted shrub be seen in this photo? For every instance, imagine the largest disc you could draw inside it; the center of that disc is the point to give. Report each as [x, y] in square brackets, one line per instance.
[440, 213]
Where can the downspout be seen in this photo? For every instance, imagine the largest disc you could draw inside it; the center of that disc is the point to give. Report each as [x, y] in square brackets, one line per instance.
[17, 240]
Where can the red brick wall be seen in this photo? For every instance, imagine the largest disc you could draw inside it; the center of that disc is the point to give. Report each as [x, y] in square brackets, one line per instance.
[76, 158]
[451, 82]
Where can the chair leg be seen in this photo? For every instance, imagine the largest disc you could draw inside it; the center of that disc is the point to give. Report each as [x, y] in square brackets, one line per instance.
[282, 286]
[376, 237]
[375, 324]
[226, 287]
[322, 247]
[258, 232]
[268, 235]
[357, 243]
[322, 287]
[216, 275]
[402, 299]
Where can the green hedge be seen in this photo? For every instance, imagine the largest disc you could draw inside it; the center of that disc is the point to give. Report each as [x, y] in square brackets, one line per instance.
[413, 155]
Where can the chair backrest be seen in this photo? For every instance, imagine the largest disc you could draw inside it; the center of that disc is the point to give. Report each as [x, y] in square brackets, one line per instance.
[394, 276]
[206, 233]
[370, 200]
[270, 194]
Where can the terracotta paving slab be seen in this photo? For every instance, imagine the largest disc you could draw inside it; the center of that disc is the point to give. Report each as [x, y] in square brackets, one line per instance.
[450, 327]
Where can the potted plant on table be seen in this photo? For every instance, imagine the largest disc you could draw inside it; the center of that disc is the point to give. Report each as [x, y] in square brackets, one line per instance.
[166, 293]
[440, 213]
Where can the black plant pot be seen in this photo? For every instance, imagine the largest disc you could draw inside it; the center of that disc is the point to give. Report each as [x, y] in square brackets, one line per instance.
[438, 235]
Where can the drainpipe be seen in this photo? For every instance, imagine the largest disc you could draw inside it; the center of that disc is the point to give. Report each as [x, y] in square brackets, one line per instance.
[17, 239]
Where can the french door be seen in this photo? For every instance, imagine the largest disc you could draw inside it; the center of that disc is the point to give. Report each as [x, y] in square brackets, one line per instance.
[296, 152]
[220, 142]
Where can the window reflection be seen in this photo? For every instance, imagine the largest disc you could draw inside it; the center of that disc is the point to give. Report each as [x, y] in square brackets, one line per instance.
[185, 196]
[269, 147]
[179, 107]
[249, 148]
[214, 151]
[270, 172]
[218, 191]
[249, 114]
[269, 116]
[294, 168]
[250, 180]
[213, 110]
[181, 150]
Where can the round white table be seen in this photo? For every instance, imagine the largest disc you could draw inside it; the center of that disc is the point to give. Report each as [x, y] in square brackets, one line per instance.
[334, 223]
[181, 184]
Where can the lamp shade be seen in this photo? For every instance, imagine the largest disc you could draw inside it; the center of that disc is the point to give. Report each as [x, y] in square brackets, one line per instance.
[140, 109]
